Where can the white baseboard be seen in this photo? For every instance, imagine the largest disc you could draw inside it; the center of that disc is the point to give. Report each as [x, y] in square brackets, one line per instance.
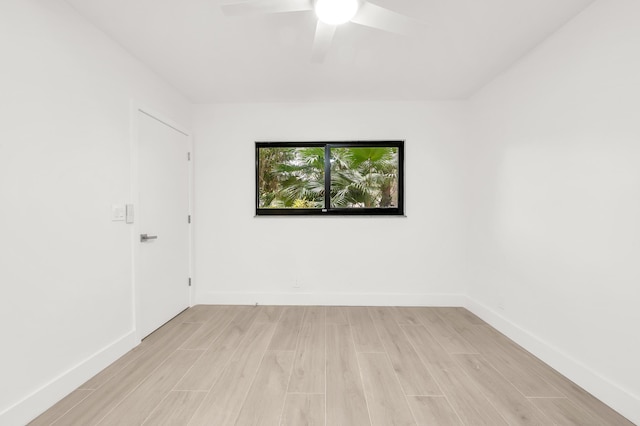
[331, 299]
[43, 398]
[615, 396]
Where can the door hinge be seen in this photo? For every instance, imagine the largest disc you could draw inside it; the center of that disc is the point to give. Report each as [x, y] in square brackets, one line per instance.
[189, 219]
[189, 282]
[188, 156]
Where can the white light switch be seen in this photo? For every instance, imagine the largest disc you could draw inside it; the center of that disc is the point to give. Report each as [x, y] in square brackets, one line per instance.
[117, 213]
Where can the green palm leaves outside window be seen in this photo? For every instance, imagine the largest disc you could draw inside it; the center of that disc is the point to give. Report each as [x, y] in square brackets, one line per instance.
[361, 177]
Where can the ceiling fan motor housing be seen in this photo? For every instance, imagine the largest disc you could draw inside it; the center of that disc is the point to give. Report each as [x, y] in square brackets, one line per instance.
[336, 12]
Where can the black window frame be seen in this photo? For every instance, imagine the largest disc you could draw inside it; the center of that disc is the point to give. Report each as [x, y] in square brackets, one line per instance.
[327, 210]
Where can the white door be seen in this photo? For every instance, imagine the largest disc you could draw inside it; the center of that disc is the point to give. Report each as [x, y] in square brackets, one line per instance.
[162, 261]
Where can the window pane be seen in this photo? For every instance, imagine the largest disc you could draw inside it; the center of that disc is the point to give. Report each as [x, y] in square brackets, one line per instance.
[290, 177]
[364, 177]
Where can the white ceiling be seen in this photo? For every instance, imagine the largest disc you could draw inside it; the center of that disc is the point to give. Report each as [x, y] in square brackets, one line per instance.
[210, 57]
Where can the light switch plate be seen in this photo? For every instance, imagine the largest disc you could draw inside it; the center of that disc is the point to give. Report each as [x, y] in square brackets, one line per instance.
[117, 213]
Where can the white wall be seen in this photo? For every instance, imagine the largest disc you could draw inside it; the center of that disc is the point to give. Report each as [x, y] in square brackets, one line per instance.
[65, 268]
[335, 260]
[555, 190]
[539, 198]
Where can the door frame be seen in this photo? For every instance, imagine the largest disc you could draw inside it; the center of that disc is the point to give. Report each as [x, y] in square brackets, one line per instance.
[135, 109]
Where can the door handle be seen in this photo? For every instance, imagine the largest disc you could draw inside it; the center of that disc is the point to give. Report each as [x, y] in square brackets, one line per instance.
[145, 237]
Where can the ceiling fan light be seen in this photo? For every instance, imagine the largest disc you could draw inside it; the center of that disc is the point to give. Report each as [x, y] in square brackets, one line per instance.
[336, 12]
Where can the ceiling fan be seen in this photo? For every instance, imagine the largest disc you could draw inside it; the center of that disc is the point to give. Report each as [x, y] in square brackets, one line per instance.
[331, 14]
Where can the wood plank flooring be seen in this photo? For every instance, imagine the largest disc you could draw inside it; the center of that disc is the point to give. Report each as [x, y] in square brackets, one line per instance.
[342, 366]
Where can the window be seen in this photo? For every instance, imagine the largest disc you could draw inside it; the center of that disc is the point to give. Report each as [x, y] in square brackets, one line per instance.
[330, 178]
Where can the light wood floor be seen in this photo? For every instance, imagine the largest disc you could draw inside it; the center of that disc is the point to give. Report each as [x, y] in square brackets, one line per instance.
[271, 365]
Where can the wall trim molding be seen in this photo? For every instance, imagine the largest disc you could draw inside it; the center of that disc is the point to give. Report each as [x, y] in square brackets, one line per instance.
[612, 394]
[332, 299]
[47, 395]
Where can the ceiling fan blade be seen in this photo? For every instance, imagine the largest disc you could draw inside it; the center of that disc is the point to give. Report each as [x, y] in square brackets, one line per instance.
[322, 41]
[374, 16]
[256, 7]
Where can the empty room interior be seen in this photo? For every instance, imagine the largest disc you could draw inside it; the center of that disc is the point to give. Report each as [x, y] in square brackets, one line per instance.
[418, 212]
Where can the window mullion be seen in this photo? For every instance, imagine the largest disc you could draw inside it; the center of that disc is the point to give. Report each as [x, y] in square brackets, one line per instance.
[327, 177]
